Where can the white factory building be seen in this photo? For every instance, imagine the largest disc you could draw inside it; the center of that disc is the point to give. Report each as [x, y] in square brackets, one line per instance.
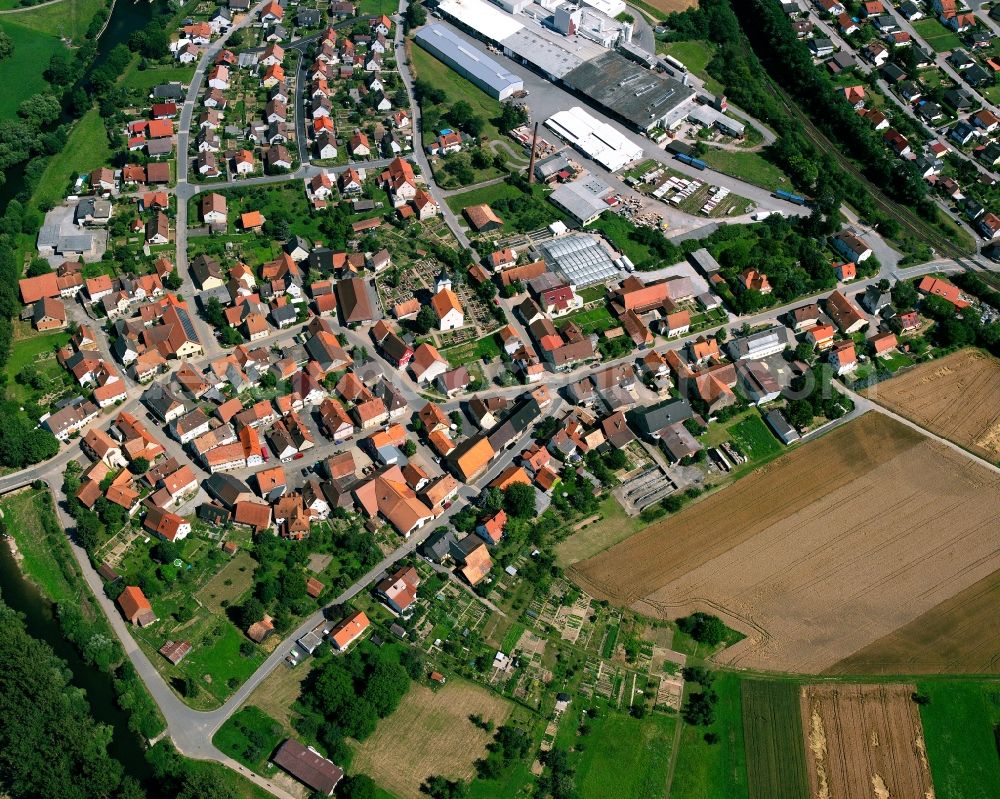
[595, 139]
[572, 46]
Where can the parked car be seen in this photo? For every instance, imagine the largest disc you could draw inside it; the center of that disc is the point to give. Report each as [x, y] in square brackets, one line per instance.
[264, 454]
[298, 456]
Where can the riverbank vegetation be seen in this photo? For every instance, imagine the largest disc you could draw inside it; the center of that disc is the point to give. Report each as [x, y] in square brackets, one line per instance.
[50, 745]
[43, 147]
[45, 558]
[30, 519]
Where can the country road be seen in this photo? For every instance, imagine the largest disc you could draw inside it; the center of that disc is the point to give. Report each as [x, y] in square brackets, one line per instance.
[192, 730]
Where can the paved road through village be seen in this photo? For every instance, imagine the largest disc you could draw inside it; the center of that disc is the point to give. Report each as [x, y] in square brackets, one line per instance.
[192, 730]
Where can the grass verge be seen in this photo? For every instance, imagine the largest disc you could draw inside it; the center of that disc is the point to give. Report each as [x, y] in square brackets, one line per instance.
[249, 736]
[750, 167]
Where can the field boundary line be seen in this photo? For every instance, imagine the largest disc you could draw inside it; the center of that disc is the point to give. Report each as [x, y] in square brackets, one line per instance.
[879, 408]
[678, 731]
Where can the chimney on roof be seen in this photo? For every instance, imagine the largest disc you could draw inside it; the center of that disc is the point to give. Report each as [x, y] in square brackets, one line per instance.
[531, 163]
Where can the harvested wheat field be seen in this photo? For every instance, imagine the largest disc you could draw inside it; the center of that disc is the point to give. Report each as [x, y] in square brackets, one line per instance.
[958, 636]
[954, 397]
[430, 733]
[864, 742]
[819, 553]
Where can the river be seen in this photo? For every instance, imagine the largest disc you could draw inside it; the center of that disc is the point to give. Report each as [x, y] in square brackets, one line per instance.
[41, 623]
[128, 16]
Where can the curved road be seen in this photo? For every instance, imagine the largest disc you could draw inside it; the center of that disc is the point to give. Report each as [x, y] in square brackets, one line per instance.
[192, 730]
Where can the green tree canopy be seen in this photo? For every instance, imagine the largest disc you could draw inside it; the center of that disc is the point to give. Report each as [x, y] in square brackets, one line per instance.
[519, 501]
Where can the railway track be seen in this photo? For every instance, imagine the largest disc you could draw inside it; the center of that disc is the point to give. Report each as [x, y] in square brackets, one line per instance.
[918, 228]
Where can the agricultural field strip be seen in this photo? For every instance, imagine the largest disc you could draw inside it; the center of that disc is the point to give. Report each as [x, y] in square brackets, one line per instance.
[772, 729]
[905, 539]
[439, 737]
[953, 397]
[705, 530]
[957, 636]
[863, 740]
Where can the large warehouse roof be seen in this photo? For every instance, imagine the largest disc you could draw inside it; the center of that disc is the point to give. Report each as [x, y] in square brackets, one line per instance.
[595, 139]
[552, 53]
[491, 77]
[481, 16]
[632, 92]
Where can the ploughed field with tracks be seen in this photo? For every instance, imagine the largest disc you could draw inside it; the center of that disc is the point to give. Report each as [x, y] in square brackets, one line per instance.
[821, 552]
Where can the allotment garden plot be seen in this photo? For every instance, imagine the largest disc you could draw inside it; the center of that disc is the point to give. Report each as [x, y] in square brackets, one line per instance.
[820, 552]
[954, 397]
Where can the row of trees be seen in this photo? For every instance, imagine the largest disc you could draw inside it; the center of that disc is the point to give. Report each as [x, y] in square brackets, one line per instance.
[40, 130]
[699, 709]
[760, 23]
[789, 63]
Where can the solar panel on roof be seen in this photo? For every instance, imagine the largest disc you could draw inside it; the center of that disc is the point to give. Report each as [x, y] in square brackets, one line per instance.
[186, 324]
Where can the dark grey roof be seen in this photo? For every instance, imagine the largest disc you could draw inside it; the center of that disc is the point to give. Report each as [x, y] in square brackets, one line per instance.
[704, 261]
[169, 91]
[297, 242]
[321, 260]
[976, 76]
[654, 418]
[957, 99]
[221, 293]
[459, 549]
[213, 514]
[226, 488]
[892, 72]
[286, 313]
[160, 398]
[438, 544]
[630, 91]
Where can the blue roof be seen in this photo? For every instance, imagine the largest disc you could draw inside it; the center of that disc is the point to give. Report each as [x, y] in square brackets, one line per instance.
[462, 56]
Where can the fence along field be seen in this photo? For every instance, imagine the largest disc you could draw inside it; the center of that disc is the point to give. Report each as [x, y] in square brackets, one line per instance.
[821, 552]
[865, 742]
[772, 734]
[954, 397]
